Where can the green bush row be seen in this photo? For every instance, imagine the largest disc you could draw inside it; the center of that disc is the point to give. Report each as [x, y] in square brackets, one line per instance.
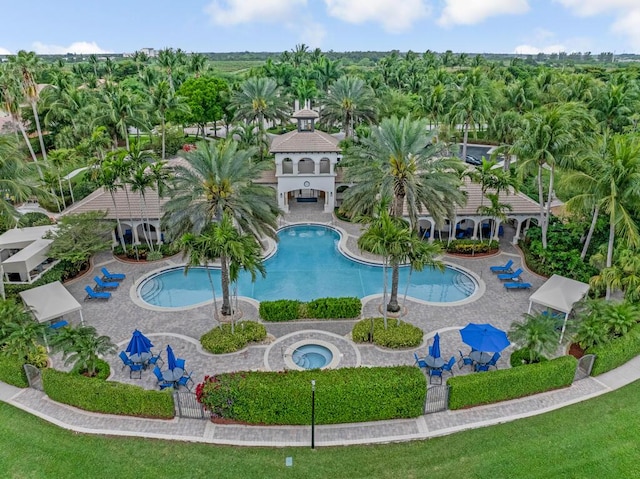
[616, 352]
[12, 371]
[220, 340]
[469, 246]
[322, 308]
[398, 334]
[501, 385]
[166, 249]
[342, 395]
[97, 395]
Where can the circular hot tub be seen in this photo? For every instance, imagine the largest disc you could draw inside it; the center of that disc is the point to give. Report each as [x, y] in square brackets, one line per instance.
[312, 354]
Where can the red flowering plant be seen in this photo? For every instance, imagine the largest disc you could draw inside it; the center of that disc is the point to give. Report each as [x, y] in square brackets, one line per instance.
[189, 147]
[217, 394]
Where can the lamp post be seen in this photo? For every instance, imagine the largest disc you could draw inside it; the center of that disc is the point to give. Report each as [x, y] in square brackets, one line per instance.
[313, 413]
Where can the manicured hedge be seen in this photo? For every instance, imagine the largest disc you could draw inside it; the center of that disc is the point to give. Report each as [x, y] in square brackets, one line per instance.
[97, 395]
[469, 246]
[616, 352]
[220, 340]
[494, 386]
[397, 335]
[342, 395]
[322, 308]
[12, 371]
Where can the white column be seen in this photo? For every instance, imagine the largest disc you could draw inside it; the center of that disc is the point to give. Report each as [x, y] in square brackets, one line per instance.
[517, 235]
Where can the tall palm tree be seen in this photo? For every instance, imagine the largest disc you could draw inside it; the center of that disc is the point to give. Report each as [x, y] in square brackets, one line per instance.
[139, 181]
[219, 178]
[398, 161]
[349, 101]
[161, 175]
[107, 177]
[162, 100]
[168, 60]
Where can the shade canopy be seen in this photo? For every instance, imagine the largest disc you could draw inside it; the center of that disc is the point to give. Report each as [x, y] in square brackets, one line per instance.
[559, 293]
[50, 301]
[139, 343]
[484, 337]
[435, 348]
[171, 358]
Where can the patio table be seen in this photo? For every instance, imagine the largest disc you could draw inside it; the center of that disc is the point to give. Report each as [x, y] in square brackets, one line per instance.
[480, 357]
[172, 375]
[435, 363]
[141, 358]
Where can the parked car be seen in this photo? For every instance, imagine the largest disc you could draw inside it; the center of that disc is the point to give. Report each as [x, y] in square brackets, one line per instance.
[472, 160]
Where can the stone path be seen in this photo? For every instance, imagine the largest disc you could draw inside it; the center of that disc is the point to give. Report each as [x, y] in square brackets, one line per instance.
[182, 330]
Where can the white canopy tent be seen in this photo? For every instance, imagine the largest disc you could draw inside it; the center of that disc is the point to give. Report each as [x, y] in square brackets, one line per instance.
[50, 301]
[559, 293]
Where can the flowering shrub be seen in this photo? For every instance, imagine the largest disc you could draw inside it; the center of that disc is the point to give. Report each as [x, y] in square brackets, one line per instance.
[189, 147]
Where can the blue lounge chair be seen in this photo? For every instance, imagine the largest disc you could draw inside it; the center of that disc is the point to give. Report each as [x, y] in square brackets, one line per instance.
[515, 276]
[91, 294]
[517, 285]
[464, 360]
[59, 324]
[105, 285]
[185, 380]
[107, 276]
[435, 373]
[420, 362]
[506, 268]
[161, 382]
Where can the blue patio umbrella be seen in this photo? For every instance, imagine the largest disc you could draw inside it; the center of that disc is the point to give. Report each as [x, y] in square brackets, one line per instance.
[139, 344]
[435, 348]
[484, 337]
[171, 358]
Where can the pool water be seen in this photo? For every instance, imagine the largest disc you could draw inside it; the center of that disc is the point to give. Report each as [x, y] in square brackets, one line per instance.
[312, 356]
[307, 265]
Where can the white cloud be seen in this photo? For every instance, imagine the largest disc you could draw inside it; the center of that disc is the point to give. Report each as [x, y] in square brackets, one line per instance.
[470, 12]
[234, 12]
[531, 50]
[310, 33]
[395, 16]
[4, 51]
[75, 47]
[627, 13]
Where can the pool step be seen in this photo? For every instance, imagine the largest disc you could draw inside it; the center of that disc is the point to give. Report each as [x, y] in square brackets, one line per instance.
[464, 284]
[151, 289]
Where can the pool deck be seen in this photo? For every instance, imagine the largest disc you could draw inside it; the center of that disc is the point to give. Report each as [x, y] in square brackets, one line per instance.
[119, 316]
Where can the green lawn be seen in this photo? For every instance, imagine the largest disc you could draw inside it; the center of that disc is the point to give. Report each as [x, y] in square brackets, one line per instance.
[594, 439]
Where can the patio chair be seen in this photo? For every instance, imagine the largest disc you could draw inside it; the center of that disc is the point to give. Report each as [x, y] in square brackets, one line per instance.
[481, 367]
[125, 359]
[107, 276]
[185, 380]
[517, 285]
[161, 382]
[430, 350]
[435, 373]
[515, 276]
[447, 367]
[155, 359]
[420, 362]
[494, 360]
[133, 367]
[505, 268]
[464, 360]
[100, 285]
[92, 294]
[180, 363]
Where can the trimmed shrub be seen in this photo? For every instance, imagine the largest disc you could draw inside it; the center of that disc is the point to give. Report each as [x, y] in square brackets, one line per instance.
[322, 308]
[469, 246]
[501, 385]
[220, 340]
[521, 357]
[12, 372]
[280, 310]
[616, 352]
[398, 334]
[102, 369]
[342, 395]
[96, 395]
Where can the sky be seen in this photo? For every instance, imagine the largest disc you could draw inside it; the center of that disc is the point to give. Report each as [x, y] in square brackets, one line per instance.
[471, 26]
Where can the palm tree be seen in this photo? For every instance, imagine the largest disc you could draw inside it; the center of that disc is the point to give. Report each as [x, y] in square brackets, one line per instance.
[217, 180]
[107, 177]
[161, 175]
[139, 182]
[538, 334]
[398, 161]
[472, 103]
[496, 210]
[623, 275]
[168, 60]
[25, 64]
[349, 101]
[82, 346]
[162, 100]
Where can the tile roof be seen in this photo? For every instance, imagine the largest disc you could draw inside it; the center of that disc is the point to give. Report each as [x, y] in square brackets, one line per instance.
[305, 142]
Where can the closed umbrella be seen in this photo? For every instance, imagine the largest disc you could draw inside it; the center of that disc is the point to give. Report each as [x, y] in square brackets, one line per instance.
[435, 348]
[139, 344]
[484, 337]
[171, 358]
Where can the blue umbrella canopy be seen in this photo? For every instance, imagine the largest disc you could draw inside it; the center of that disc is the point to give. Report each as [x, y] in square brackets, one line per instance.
[435, 348]
[484, 337]
[171, 358]
[139, 344]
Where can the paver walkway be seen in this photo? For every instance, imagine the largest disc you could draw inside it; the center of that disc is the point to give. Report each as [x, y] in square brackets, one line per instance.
[182, 329]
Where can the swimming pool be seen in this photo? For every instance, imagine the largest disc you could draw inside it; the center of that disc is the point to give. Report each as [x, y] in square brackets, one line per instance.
[307, 265]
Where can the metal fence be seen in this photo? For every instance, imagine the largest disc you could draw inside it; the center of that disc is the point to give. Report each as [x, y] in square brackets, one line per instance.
[585, 365]
[34, 377]
[187, 405]
[437, 399]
